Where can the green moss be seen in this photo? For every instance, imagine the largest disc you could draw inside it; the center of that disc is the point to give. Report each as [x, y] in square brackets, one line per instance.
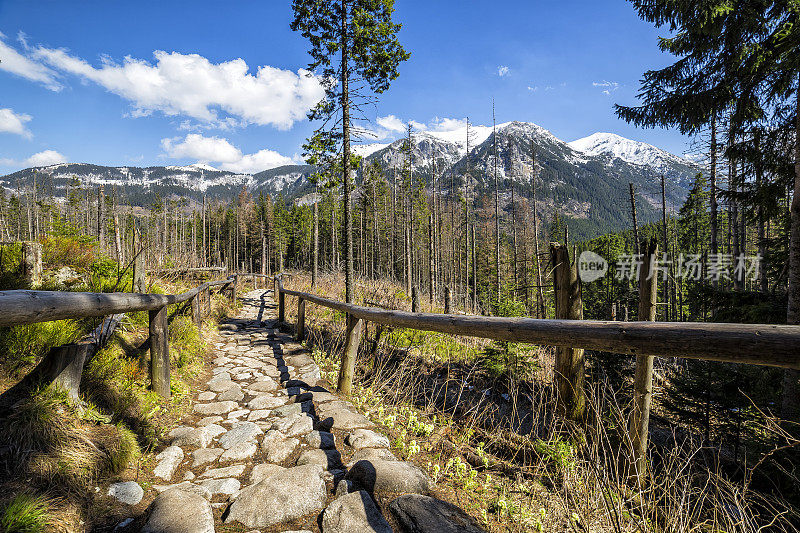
[26, 513]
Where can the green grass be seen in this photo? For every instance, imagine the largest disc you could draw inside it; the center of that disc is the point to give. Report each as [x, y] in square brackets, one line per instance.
[23, 345]
[26, 513]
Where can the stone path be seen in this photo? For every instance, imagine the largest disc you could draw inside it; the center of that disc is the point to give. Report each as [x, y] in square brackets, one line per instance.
[269, 448]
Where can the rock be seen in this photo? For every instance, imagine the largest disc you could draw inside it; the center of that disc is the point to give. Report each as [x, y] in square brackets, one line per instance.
[264, 384]
[335, 415]
[199, 437]
[206, 396]
[345, 486]
[227, 471]
[321, 439]
[368, 454]
[240, 433]
[365, 438]
[222, 385]
[280, 497]
[322, 396]
[178, 511]
[188, 476]
[227, 485]
[263, 471]
[237, 413]
[187, 487]
[126, 492]
[327, 459]
[240, 451]
[294, 425]
[354, 512]
[265, 401]
[168, 461]
[424, 514]
[288, 410]
[277, 447]
[259, 414]
[215, 408]
[378, 476]
[234, 393]
[210, 420]
[221, 376]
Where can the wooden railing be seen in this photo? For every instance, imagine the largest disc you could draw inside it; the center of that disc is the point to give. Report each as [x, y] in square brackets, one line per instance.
[758, 344]
[64, 364]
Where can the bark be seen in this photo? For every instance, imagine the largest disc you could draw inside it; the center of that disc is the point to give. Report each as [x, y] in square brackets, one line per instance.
[345, 102]
[713, 185]
[315, 252]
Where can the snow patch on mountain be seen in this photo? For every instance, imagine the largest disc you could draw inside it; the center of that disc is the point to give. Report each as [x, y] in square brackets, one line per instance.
[635, 152]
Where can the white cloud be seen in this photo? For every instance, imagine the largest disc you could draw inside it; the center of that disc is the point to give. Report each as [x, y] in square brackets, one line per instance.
[45, 158]
[190, 85]
[11, 122]
[533, 89]
[503, 71]
[391, 123]
[23, 66]
[220, 151]
[39, 159]
[608, 86]
[418, 126]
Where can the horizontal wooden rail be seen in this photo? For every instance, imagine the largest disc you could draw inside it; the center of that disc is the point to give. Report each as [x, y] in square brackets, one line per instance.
[759, 344]
[27, 307]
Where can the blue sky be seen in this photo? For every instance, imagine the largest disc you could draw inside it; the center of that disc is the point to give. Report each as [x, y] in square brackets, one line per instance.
[155, 83]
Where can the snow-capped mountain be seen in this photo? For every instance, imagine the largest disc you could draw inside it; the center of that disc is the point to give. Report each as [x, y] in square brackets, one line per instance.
[586, 179]
[635, 152]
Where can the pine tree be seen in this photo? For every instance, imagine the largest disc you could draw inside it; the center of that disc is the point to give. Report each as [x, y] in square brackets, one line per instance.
[350, 40]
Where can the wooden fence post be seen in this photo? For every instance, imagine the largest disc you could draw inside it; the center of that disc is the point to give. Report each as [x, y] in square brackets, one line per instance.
[207, 300]
[353, 339]
[447, 302]
[197, 310]
[569, 367]
[159, 352]
[234, 286]
[643, 380]
[301, 319]
[281, 305]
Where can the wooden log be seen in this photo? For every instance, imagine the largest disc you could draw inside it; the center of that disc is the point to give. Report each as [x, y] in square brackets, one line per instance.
[197, 310]
[353, 339]
[569, 368]
[159, 352]
[643, 379]
[301, 319]
[447, 301]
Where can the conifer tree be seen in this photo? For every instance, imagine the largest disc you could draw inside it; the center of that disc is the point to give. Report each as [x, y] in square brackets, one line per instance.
[351, 41]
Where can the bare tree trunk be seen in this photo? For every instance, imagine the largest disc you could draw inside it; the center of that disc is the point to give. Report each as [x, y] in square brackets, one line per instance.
[315, 252]
[635, 224]
[713, 184]
[345, 102]
[496, 212]
[539, 283]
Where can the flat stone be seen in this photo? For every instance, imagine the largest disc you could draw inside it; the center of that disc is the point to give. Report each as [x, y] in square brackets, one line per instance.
[321, 439]
[266, 401]
[288, 410]
[178, 511]
[168, 461]
[198, 437]
[188, 476]
[354, 512]
[277, 447]
[334, 415]
[239, 452]
[210, 420]
[215, 408]
[365, 438]
[264, 470]
[227, 485]
[298, 424]
[259, 414]
[236, 414]
[280, 497]
[234, 393]
[206, 455]
[187, 487]
[128, 492]
[264, 384]
[379, 476]
[226, 471]
[206, 396]
[327, 459]
[424, 514]
[239, 433]
[322, 396]
[222, 376]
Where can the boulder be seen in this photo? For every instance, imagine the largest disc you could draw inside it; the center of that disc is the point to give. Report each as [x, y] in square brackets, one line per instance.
[266, 401]
[354, 512]
[365, 438]
[178, 511]
[168, 461]
[126, 492]
[321, 440]
[277, 447]
[423, 514]
[327, 459]
[381, 477]
[280, 497]
[240, 432]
